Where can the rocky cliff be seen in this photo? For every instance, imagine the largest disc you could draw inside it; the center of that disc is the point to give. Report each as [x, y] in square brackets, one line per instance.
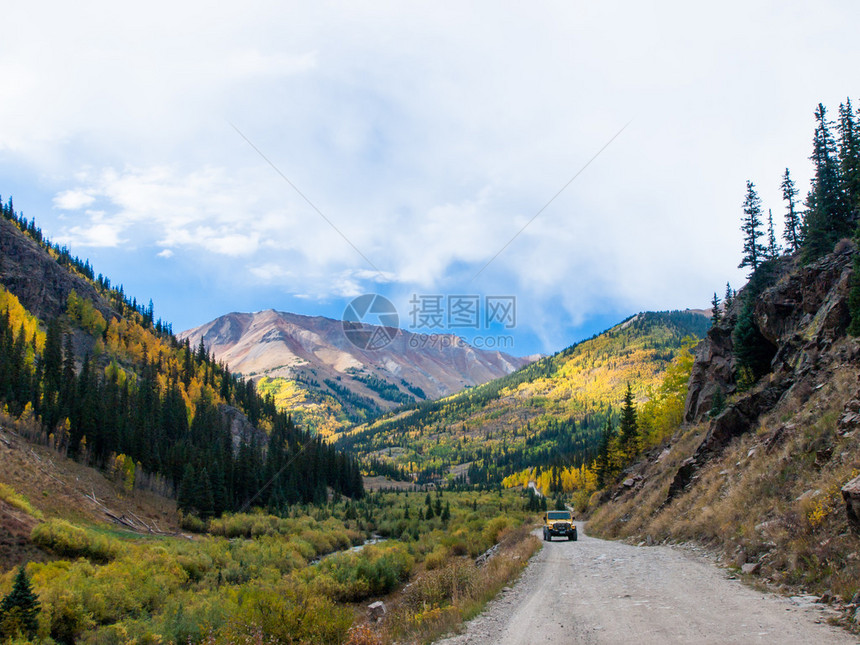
[799, 317]
[765, 470]
[40, 283]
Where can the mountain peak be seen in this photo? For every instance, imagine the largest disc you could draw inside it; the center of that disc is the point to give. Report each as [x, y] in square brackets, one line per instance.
[315, 354]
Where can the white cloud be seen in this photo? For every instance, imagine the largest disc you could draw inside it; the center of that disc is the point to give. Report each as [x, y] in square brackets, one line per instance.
[95, 235]
[72, 200]
[428, 135]
[166, 253]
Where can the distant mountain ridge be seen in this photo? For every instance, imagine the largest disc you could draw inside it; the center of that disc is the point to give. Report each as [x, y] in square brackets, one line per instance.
[310, 365]
[551, 411]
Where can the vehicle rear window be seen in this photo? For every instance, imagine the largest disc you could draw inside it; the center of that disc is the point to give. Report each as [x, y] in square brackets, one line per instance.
[559, 515]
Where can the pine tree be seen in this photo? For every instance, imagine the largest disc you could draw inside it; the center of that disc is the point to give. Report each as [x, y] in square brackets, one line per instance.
[729, 297]
[20, 609]
[849, 158]
[754, 251]
[773, 249]
[793, 223]
[716, 314]
[828, 218]
[628, 425]
[185, 494]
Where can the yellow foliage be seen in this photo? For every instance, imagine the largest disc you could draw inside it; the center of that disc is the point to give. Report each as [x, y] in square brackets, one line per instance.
[82, 311]
[122, 470]
[10, 496]
[572, 479]
[663, 412]
[324, 417]
[19, 316]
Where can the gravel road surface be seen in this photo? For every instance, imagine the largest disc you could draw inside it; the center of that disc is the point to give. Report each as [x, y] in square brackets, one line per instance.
[600, 592]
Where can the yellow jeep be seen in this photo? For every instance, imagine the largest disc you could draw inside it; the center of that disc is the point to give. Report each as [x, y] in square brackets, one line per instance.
[558, 523]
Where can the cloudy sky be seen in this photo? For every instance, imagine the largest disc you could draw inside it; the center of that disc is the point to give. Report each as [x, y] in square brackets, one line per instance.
[294, 155]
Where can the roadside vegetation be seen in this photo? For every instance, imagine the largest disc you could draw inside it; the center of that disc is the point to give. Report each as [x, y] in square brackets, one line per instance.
[302, 578]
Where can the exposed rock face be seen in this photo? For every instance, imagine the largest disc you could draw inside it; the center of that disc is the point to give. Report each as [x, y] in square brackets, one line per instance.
[713, 370]
[241, 429]
[851, 495]
[42, 285]
[803, 313]
[800, 315]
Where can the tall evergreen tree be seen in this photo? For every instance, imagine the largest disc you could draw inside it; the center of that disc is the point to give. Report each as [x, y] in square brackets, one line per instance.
[716, 314]
[793, 223]
[729, 297]
[603, 462]
[849, 157]
[628, 425]
[20, 609]
[754, 251]
[828, 216]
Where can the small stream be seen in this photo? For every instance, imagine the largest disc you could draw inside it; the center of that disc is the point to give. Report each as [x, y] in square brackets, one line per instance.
[373, 539]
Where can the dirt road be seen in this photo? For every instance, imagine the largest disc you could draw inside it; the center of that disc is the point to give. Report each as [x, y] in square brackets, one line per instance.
[598, 592]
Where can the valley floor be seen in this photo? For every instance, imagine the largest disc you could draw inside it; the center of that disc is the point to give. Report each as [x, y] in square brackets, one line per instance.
[602, 592]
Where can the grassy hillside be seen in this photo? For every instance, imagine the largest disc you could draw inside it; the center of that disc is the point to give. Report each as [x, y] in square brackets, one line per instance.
[549, 412]
[93, 375]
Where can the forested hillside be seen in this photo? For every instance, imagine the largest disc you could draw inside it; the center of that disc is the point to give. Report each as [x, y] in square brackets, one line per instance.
[92, 374]
[551, 413]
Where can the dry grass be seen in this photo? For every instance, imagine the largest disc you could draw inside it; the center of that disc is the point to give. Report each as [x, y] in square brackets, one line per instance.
[60, 487]
[438, 601]
[778, 504]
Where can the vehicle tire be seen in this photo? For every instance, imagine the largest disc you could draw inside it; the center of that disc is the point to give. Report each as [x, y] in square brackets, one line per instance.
[573, 537]
[544, 535]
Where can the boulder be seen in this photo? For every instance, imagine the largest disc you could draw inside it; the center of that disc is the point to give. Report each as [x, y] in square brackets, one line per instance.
[682, 478]
[376, 610]
[851, 495]
[751, 568]
[481, 560]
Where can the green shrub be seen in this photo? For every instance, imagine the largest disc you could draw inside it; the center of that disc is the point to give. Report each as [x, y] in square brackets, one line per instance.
[375, 570]
[493, 529]
[64, 539]
[8, 494]
[191, 522]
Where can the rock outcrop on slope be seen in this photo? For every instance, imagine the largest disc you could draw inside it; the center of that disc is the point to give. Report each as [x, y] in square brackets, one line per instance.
[40, 283]
[799, 318]
[769, 478]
